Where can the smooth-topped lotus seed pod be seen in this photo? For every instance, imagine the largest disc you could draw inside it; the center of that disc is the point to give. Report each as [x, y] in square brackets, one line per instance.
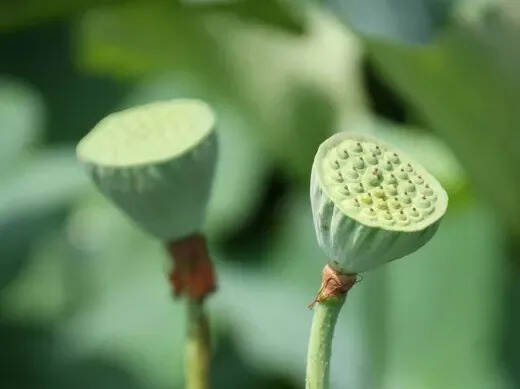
[367, 214]
[156, 162]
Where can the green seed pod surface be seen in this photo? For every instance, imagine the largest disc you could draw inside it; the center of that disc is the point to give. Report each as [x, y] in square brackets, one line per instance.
[389, 208]
[156, 162]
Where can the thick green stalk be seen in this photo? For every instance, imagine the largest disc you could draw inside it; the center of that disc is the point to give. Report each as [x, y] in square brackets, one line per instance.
[320, 342]
[198, 354]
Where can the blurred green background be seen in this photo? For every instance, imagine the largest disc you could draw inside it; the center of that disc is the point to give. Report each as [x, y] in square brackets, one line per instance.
[84, 300]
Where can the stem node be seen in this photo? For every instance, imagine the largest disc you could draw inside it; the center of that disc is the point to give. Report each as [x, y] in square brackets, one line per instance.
[192, 273]
[328, 301]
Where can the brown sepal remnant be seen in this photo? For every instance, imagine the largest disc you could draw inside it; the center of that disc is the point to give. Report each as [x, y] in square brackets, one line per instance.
[192, 274]
[333, 284]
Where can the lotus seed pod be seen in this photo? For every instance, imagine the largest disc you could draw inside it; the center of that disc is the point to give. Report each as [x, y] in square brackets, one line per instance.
[156, 162]
[382, 219]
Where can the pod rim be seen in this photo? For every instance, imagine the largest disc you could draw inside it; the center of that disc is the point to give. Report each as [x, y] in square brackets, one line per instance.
[335, 140]
[82, 149]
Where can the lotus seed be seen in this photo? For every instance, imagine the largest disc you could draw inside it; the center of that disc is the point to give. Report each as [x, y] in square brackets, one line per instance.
[413, 212]
[357, 147]
[335, 164]
[390, 190]
[423, 202]
[418, 180]
[402, 174]
[381, 205]
[342, 152]
[344, 190]
[395, 204]
[366, 199]
[372, 159]
[427, 191]
[406, 199]
[393, 157]
[388, 165]
[353, 204]
[352, 175]
[410, 187]
[379, 193]
[391, 179]
[359, 163]
[369, 212]
[358, 187]
[374, 177]
[338, 177]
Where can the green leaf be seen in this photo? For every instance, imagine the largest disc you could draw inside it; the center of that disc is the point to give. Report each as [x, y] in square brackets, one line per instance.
[45, 182]
[33, 356]
[241, 175]
[39, 293]
[30, 201]
[21, 118]
[136, 38]
[288, 15]
[466, 87]
[443, 307]
[309, 118]
[16, 14]
[405, 21]
[125, 311]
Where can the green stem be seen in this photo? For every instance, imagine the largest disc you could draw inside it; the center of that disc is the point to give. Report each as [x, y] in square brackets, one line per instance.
[320, 342]
[197, 347]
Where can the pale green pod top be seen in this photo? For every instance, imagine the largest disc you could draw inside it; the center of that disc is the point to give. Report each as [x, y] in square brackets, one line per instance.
[371, 203]
[156, 163]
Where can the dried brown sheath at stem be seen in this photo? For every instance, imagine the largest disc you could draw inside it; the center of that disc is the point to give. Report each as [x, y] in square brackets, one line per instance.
[192, 275]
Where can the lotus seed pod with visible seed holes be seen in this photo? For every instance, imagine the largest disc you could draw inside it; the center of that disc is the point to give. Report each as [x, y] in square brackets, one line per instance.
[391, 210]
[156, 162]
